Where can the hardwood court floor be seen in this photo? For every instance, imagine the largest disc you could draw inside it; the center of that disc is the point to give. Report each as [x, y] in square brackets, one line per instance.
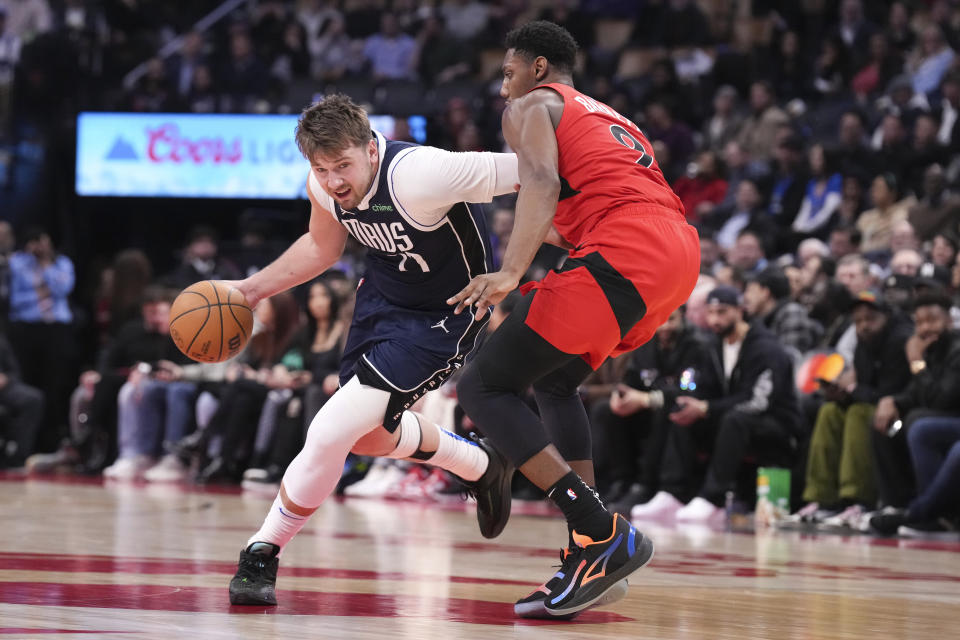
[136, 561]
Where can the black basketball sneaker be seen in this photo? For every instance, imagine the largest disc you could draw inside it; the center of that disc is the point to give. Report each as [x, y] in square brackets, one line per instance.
[492, 491]
[598, 568]
[256, 577]
[534, 605]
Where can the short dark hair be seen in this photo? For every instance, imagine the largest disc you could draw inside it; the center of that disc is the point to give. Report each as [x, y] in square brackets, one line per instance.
[773, 279]
[892, 183]
[766, 85]
[852, 232]
[332, 125]
[156, 293]
[32, 234]
[950, 239]
[858, 114]
[544, 38]
[933, 298]
[202, 231]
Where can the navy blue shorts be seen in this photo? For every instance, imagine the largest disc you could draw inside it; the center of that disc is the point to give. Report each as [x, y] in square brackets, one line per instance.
[404, 351]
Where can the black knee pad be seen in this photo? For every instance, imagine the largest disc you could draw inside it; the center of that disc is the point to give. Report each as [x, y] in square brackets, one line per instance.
[562, 410]
[567, 425]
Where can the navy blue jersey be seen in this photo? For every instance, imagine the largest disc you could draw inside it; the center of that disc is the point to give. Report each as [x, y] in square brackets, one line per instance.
[414, 266]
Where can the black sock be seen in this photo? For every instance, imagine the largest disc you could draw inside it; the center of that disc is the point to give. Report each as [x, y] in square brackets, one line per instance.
[571, 543]
[581, 507]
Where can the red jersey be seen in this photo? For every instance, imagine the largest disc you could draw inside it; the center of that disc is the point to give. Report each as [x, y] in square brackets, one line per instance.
[605, 164]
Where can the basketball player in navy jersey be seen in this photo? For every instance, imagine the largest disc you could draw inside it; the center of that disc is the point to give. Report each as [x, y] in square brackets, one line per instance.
[410, 206]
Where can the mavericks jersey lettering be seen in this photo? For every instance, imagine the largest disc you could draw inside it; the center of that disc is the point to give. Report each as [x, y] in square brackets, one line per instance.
[605, 163]
[413, 265]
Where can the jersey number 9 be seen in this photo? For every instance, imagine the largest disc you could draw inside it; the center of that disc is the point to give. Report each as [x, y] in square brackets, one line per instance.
[625, 138]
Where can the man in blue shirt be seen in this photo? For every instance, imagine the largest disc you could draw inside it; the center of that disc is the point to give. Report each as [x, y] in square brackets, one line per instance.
[41, 325]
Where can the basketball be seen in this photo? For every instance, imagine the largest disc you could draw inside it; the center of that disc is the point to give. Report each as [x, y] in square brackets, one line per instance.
[210, 321]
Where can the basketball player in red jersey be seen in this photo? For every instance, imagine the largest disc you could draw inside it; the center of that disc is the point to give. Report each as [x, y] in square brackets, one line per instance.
[589, 181]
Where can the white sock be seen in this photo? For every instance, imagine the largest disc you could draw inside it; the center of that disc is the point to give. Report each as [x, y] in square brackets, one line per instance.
[279, 526]
[455, 454]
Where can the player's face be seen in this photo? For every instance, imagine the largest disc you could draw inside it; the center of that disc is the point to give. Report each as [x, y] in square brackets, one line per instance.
[519, 76]
[346, 175]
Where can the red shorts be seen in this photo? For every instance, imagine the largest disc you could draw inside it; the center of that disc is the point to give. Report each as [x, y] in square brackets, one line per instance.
[625, 279]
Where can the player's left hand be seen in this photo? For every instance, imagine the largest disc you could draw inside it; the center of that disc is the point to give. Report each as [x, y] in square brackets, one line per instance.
[484, 290]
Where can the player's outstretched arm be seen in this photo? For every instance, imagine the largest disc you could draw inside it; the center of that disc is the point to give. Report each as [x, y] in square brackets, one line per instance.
[310, 255]
[528, 129]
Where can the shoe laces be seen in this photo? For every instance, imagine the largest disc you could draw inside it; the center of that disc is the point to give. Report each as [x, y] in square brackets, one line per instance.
[467, 489]
[568, 557]
[254, 565]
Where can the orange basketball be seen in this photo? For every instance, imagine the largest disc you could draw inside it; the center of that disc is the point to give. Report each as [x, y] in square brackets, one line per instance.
[210, 321]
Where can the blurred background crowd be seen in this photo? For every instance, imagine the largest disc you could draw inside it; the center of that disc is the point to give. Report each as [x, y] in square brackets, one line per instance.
[813, 143]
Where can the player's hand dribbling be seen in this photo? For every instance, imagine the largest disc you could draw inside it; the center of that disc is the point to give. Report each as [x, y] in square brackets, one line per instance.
[244, 288]
[484, 291]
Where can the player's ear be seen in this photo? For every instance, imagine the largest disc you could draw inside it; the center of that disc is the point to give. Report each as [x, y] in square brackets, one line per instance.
[539, 68]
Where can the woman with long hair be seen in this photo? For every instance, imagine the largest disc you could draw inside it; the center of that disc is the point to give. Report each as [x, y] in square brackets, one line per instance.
[822, 198]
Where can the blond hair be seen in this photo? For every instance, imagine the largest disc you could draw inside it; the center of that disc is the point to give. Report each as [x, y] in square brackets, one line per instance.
[332, 125]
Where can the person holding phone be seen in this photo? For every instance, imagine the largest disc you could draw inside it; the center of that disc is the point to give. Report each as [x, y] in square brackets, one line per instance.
[933, 353]
[840, 487]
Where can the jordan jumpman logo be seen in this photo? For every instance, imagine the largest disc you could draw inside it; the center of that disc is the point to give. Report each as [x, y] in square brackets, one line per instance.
[442, 324]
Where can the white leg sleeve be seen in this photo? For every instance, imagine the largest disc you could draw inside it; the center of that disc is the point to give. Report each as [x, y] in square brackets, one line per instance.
[352, 412]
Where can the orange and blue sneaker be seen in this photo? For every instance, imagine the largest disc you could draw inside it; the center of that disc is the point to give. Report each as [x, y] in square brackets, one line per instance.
[256, 577]
[598, 567]
[534, 605]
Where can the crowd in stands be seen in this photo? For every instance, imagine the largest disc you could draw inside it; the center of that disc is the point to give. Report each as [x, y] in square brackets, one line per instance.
[814, 145]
